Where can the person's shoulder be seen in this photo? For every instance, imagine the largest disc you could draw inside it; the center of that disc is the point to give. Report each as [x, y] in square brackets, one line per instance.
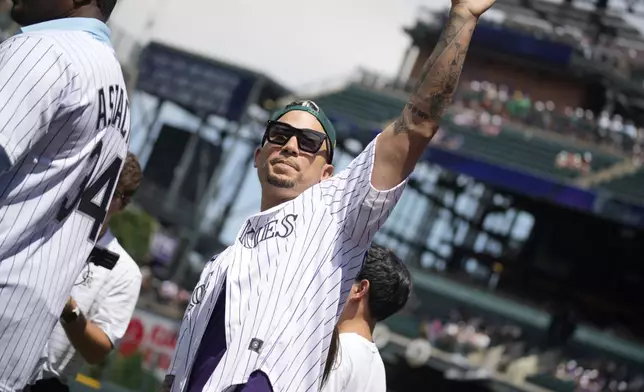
[355, 340]
[359, 349]
[45, 51]
[33, 44]
[43, 43]
[367, 364]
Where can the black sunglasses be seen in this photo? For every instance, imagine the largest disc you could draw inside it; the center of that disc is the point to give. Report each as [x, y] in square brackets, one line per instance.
[308, 140]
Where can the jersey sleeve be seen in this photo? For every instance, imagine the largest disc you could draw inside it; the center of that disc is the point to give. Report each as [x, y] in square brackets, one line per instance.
[354, 202]
[115, 311]
[34, 77]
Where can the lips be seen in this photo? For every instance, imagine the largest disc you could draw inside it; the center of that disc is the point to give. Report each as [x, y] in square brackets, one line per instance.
[286, 163]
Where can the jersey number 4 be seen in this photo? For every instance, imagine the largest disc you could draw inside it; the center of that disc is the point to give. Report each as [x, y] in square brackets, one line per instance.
[85, 200]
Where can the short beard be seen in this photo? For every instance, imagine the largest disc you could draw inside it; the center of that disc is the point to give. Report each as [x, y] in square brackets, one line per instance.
[279, 182]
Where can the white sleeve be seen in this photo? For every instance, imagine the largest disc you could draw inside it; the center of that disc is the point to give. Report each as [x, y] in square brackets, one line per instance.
[354, 202]
[34, 77]
[115, 311]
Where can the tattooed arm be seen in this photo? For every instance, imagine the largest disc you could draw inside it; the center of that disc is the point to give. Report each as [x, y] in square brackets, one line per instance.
[402, 143]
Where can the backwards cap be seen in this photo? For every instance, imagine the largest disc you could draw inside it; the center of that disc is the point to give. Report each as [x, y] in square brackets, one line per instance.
[312, 108]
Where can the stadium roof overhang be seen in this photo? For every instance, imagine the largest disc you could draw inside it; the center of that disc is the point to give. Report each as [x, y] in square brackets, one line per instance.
[202, 85]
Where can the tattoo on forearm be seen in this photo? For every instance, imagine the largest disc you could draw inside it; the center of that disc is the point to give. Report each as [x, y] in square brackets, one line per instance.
[438, 79]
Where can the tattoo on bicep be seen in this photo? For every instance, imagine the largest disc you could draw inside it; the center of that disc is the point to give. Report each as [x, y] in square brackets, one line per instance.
[412, 114]
[399, 125]
[438, 79]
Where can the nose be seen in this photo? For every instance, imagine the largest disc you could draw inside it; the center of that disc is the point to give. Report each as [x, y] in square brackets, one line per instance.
[291, 146]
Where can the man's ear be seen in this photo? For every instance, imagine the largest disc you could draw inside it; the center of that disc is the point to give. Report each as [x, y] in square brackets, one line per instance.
[327, 172]
[258, 150]
[361, 289]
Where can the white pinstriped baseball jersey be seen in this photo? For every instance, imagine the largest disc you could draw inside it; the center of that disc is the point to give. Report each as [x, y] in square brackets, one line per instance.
[107, 298]
[64, 125]
[287, 277]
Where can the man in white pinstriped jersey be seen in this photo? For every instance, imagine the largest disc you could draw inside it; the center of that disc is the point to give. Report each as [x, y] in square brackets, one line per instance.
[101, 304]
[262, 314]
[64, 130]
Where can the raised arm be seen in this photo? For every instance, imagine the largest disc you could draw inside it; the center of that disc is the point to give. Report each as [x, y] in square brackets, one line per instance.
[403, 142]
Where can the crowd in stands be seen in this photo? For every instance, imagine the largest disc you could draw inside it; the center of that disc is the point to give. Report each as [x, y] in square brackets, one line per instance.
[490, 107]
[474, 340]
[503, 348]
[595, 375]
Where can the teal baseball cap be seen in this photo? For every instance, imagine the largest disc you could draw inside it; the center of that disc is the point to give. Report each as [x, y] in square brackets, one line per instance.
[313, 109]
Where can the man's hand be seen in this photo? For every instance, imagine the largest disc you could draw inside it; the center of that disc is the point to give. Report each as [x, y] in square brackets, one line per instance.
[476, 8]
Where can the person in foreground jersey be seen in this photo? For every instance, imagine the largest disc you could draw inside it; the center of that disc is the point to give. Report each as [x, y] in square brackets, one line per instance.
[101, 304]
[262, 314]
[64, 130]
[381, 289]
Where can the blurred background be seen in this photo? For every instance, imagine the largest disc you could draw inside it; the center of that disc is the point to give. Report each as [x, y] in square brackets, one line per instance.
[523, 224]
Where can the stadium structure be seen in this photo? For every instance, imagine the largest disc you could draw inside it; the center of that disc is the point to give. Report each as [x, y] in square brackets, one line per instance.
[542, 205]
[523, 225]
[525, 219]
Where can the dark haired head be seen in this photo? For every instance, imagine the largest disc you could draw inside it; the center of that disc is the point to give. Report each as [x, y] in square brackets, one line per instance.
[296, 152]
[29, 12]
[389, 289]
[389, 282]
[129, 180]
[313, 108]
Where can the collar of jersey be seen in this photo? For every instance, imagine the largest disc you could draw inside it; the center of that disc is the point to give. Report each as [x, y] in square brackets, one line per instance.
[95, 27]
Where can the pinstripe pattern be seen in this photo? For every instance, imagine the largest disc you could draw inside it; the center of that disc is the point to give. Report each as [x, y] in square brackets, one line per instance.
[49, 89]
[286, 285]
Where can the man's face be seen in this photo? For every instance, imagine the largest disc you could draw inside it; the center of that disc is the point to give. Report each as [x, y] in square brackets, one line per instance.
[28, 12]
[286, 171]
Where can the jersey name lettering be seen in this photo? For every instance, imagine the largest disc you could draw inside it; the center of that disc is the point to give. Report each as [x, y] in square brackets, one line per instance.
[117, 103]
[282, 228]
